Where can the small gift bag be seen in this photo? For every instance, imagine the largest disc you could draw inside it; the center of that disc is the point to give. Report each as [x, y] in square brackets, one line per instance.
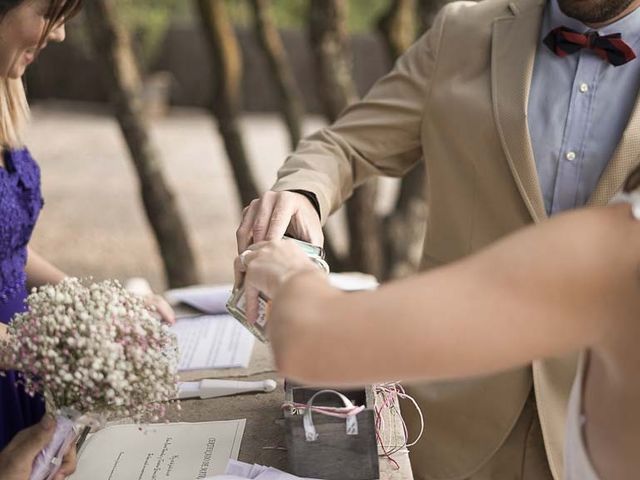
[332, 439]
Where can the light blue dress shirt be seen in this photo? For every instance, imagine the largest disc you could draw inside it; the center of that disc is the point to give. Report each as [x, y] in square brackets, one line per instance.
[579, 106]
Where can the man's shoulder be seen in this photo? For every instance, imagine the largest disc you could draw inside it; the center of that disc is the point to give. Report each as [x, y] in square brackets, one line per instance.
[467, 14]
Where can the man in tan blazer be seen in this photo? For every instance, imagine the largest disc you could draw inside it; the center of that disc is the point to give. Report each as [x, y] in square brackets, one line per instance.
[515, 122]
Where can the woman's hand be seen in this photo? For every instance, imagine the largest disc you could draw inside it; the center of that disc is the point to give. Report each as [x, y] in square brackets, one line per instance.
[162, 308]
[17, 458]
[140, 286]
[266, 266]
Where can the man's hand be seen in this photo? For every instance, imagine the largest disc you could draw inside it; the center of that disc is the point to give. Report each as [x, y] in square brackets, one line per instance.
[277, 213]
[17, 457]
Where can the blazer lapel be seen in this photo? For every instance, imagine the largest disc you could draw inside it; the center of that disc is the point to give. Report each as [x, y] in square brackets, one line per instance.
[624, 160]
[514, 44]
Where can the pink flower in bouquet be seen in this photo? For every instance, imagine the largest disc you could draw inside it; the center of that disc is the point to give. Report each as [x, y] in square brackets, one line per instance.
[94, 349]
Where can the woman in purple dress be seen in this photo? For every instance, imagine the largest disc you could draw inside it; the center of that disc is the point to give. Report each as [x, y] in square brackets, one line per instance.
[25, 28]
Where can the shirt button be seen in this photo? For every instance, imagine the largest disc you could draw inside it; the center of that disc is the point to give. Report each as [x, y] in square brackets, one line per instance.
[584, 88]
[571, 156]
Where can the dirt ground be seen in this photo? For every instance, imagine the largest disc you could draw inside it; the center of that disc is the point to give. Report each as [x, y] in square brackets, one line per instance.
[93, 222]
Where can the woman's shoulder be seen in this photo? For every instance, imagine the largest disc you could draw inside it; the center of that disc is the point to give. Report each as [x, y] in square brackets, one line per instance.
[22, 162]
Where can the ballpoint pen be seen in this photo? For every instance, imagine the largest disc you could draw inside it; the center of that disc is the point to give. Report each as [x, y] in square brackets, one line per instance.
[220, 388]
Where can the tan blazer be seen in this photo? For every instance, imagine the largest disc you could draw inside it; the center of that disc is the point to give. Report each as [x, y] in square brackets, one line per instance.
[458, 99]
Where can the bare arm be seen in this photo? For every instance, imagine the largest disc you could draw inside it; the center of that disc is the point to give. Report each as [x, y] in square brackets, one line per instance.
[41, 272]
[545, 291]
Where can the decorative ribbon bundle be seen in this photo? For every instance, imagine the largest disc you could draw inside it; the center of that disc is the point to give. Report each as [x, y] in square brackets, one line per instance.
[390, 393]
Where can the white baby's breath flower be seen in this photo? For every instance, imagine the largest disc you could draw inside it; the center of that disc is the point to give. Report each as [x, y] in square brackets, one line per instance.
[94, 348]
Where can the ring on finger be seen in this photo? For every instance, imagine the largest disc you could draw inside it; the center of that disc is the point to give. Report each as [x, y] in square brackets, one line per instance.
[243, 260]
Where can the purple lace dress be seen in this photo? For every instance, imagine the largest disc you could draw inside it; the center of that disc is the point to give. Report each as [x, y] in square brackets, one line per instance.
[20, 204]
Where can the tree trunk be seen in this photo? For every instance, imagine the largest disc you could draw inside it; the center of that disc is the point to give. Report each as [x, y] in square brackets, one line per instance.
[121, 72]
[227, 69]
[397, 27]
[291, 99]
[329, 41]
[405, 226]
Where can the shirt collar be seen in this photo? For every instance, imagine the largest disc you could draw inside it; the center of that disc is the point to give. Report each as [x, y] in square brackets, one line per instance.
[628, 26]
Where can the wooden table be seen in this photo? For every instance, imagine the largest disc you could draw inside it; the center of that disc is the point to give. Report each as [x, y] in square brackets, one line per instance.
[263, 440]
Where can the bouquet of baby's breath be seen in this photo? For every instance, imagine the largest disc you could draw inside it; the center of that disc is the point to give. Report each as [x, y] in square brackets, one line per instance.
[92, 350]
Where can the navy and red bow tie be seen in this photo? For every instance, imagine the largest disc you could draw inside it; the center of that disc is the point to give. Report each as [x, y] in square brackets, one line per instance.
[611, 48]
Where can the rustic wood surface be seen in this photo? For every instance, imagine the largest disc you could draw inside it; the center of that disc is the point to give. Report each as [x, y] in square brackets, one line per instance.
[264, 437]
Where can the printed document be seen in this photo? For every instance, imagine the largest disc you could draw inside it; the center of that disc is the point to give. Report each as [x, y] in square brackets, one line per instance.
[174, 451]
[213, 341]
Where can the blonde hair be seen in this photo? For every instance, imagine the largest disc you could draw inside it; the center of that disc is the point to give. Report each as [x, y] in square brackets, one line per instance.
[14, 108]
[14, 112]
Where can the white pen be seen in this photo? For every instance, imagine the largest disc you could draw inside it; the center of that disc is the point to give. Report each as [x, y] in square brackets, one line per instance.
[220, 388]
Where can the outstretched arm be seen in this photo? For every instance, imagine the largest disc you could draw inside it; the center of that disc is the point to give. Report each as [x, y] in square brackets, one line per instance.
[547, 290]
[41, 272]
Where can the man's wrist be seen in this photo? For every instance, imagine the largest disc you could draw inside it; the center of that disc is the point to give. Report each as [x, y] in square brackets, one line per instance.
[312, 199]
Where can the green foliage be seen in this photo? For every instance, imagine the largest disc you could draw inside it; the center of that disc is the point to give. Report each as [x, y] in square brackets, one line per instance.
[148, 21]
[292, 14]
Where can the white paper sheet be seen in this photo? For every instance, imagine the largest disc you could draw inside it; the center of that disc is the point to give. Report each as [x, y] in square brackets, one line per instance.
[213, 341]
[175, 451]
[207, 298]
[353, 281]
[213, 298]
[240, 470]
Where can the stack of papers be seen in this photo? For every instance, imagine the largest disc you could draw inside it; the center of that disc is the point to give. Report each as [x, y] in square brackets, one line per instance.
[212, 341]
[206, 299]
[215, 339]
[239, 470]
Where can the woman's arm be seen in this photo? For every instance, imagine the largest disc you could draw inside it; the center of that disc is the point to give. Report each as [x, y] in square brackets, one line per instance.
[41, 272]
[545, 291]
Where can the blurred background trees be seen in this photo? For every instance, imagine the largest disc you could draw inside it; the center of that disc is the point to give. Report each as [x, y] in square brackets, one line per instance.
[292, 57]
[121, 75]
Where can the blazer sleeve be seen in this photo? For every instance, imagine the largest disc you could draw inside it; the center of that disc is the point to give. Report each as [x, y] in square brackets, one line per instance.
[378, 135]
